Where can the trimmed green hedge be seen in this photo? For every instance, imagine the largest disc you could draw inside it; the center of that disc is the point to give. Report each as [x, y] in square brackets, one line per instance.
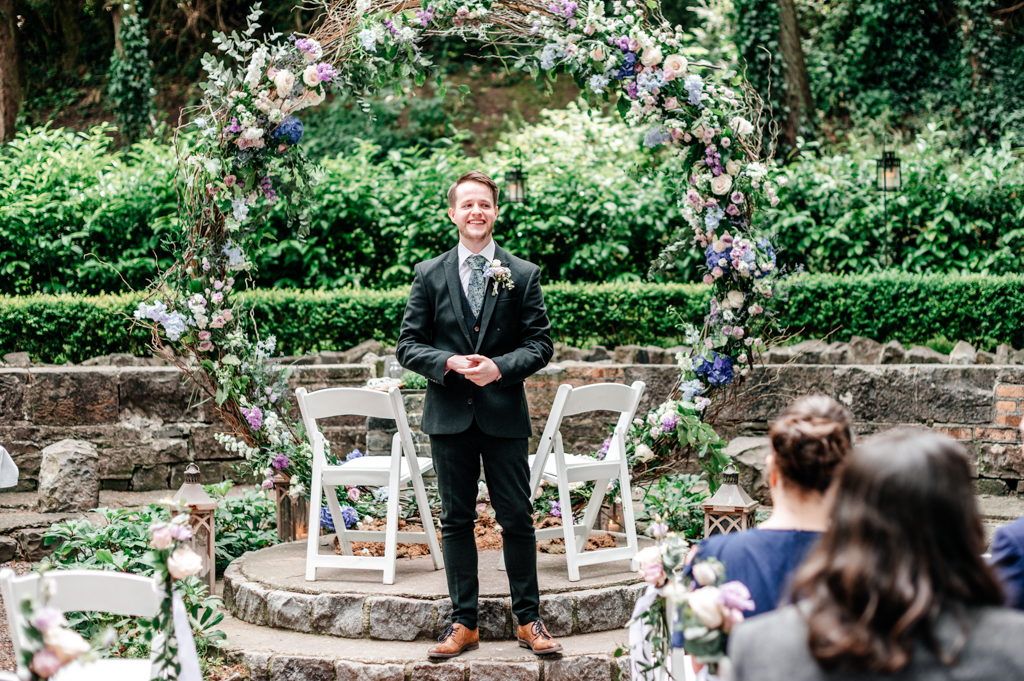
[984, 310]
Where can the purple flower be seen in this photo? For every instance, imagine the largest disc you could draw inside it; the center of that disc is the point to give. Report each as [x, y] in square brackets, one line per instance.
[716, 369]
[268, 190]
[280, 461]
[326, 72]
[48, 617]
[714, 259]
[326, 521]
[631, 90]
[556, 509]
[267, 484]
[425, 16]
[354, 454]
[735, 595]
[254, 416]
[668, 424]
[234, 128]
[180, 532]
[350, 516]
[604, 448]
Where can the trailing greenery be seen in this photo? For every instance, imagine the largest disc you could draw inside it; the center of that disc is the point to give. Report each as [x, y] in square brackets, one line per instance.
[911, 308]
[245, 522]
[676, 500]
[130, 78]
[957, 212]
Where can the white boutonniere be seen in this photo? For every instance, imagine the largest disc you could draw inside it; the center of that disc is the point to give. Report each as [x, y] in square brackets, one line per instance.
[502, 276]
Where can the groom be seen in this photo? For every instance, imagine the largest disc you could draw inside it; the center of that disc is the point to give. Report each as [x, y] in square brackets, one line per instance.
[477, 335]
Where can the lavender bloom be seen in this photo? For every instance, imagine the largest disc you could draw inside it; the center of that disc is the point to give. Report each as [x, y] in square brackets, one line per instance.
[631, 91]
[354, 454]
[47, 617]
[289, 130]
[556, 509]
[368, 40]
[268, 189]
[655, 136]
[350, 516]
[253, 416]
[425, 16]
[716, 369]
[694, 85]
[669, 423]
[604, 449]
[234, 253]
[549, 54]
[598, 83]
[235, 127]
[326, 521]
[326, 72]
[280, 461]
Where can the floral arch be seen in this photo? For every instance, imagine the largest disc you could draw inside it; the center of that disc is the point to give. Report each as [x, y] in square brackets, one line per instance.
[243, 155]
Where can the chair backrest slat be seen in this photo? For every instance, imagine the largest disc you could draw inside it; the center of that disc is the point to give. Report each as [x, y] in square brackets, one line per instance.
[600, 397]
[330, 402]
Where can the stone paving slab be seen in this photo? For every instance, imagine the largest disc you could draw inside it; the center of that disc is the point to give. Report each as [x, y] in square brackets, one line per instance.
[1004, 508]
[283, 567]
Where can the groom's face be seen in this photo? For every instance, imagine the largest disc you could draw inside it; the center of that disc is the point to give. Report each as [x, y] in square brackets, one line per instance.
[474, 212]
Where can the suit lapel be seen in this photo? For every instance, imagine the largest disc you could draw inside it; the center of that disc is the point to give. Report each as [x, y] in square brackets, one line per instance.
[451, 273]
[490, 300]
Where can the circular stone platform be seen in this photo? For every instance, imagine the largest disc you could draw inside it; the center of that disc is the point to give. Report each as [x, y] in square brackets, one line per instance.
[268, 588]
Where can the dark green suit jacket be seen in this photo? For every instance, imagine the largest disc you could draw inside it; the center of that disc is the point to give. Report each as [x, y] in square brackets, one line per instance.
[514, 331]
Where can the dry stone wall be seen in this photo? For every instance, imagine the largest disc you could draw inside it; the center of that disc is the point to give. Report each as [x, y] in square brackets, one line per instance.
[145, 426]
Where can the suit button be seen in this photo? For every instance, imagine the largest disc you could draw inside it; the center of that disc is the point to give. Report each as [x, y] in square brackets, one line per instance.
[477, 329]
[469, 401]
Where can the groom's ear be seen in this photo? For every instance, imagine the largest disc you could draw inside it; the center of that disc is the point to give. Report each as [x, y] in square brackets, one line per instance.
[451, 214]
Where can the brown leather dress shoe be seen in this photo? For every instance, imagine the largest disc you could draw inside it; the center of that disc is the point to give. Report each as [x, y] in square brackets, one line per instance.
[536, 637]
[455, 639]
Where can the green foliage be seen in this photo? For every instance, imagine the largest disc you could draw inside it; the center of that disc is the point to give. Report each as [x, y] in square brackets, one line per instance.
[246, 522]
[911, 308]
[676, 500]
[130, 79]
[414, 381]
[75, 216]
[121, 543]
[958, 211]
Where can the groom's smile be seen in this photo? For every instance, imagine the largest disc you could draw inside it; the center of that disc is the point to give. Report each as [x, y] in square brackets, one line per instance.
[474, 214]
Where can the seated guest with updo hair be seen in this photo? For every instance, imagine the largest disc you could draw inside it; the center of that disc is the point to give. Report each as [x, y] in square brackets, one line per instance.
[897, 588]
[810, 442]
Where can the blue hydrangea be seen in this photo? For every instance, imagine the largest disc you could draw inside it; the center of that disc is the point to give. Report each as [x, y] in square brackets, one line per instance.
[598, 83]
[651, 80]
[354, 454]
[655, 136]
[770, 252]
[690, 389]
[289, 130]
[716, 369]
[694, 85]
[712, 258]
[368, 40]
[348, 514]
[713, 217]
[326, 521]
[549, 55]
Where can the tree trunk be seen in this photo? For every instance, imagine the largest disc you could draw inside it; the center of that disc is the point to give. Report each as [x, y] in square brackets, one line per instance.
[11, 94]
[68, 14]
[798, 86]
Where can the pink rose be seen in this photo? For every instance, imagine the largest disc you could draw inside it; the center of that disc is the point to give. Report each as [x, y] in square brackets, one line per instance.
[217, 322]
[217, 297]
[204, 335]
[353, 494]
[654, 574]
[708, 279]
[267, 484]
[161, 539]
[226, 314]
[671, 103]
[717, 272]
[205, 346]
[45, 663]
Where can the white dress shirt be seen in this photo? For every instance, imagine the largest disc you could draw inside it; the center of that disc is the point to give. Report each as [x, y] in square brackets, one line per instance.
[465, 270]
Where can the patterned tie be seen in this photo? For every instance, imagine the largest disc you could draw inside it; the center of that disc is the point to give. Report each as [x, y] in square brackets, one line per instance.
[475, 294]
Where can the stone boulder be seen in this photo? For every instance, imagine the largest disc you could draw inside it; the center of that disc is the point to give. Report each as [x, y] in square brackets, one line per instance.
[865, 350]
[630, 354]
[1003, 353]
[984, 357]
[893, 352]
[922, 354]
[748, 456]
[69, 477]
[356, 354]
[597, 354]
[17, 359]
[963, 353]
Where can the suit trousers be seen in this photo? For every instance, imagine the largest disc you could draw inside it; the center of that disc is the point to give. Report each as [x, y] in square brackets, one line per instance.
[457, 465]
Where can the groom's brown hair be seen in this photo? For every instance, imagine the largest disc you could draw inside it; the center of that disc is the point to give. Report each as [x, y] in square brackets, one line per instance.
[473, 176]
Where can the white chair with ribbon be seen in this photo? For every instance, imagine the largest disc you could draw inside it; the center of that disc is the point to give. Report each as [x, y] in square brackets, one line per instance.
[116, 593]
[553, 465]
[402, 467]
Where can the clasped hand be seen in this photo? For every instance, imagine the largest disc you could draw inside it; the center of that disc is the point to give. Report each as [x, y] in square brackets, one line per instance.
[477, 368]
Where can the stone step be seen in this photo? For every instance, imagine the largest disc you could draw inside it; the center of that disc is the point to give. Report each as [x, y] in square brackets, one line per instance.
[281, 655]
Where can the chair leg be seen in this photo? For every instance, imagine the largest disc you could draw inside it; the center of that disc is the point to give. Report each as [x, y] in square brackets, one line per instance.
[391, 529]
[339, 519]
[590, 515]
[628, 519]
[568, 530]
[313, 538]
[423, 503]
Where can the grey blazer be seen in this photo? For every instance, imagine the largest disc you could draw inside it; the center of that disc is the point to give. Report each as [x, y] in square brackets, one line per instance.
[514, 331]
[773, 647]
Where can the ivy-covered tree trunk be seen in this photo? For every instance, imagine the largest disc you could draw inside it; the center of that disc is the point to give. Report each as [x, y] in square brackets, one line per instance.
[11, 93]
[799, 104]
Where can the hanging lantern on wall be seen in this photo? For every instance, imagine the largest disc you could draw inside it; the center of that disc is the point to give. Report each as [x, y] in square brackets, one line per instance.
[730, 509]
[202, 508]
[515, 183]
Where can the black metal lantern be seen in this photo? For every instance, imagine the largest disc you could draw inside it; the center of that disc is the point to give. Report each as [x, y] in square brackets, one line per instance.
[887, 170]
[515, 182]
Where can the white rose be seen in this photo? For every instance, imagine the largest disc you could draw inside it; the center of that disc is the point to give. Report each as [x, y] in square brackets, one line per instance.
[597, 54]
[651, 56]
[735, 299]
[698, 132]
[649, 556]
[721, 184]
[276, 115]
[644, 453]
[285, 81]
[184, 562]
[676, 63]
[252, 133]
[704, 604]
[742, 126]
[311, 76]
[733, 167]
[67, 645]
[705, 574]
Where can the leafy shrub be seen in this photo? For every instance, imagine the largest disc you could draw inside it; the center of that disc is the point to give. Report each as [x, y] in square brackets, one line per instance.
[676, 500]
[958, 212]
[911, 308]
[246, 522]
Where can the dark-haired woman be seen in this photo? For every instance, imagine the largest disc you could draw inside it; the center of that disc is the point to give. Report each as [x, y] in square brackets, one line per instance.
[810, 442]
[897, 588]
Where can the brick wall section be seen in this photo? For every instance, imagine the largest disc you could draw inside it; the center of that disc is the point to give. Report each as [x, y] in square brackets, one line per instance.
[146, 428]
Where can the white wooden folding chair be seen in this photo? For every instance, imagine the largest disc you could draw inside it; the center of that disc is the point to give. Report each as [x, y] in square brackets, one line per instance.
[553, 465]
[401, 468]
[117, 593]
